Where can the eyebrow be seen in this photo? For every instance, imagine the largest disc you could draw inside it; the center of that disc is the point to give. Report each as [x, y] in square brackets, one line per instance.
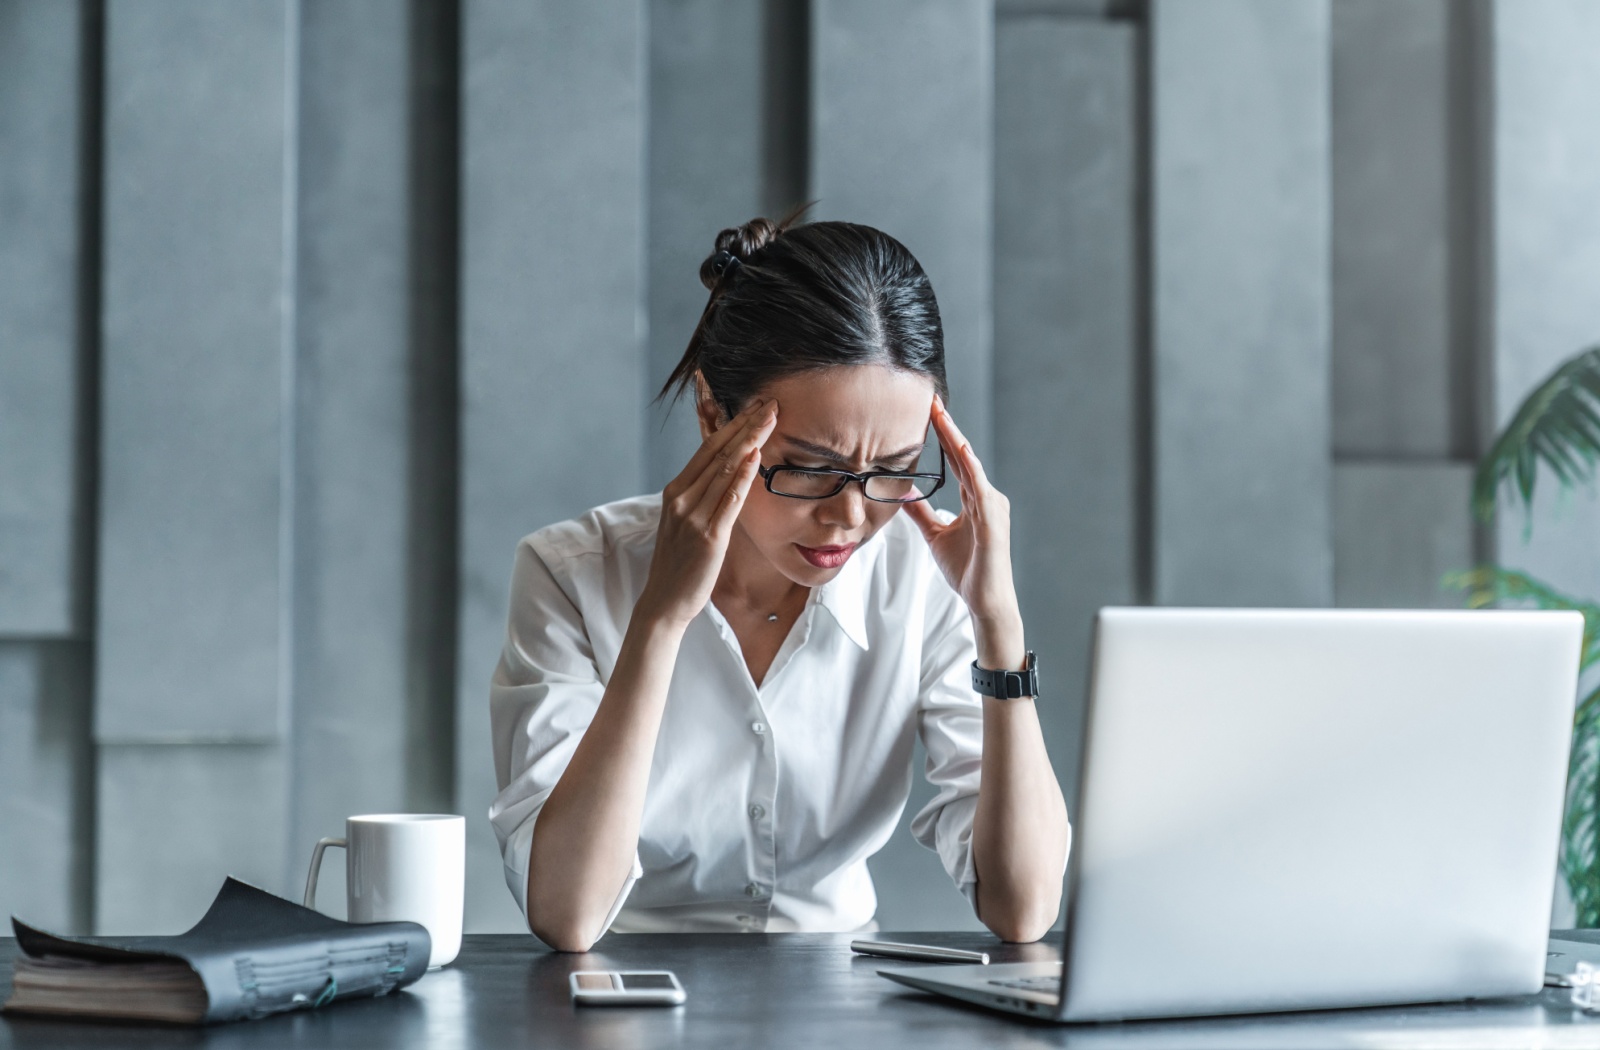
[824, 452]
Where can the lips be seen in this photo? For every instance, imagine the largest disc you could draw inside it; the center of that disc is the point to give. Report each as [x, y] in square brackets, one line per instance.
[826, 557]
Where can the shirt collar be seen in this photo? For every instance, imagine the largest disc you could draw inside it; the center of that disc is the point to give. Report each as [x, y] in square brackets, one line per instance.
[845, 598]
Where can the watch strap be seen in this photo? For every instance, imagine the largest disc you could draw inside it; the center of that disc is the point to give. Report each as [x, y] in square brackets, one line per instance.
[1007, 685]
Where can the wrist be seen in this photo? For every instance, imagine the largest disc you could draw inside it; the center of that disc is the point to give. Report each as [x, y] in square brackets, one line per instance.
[1000, 643]
[653, 623]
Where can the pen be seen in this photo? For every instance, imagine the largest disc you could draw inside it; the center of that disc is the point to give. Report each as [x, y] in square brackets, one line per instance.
[926, 952]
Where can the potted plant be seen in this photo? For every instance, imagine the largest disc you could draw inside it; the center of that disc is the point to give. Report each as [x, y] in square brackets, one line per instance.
[1558, 427]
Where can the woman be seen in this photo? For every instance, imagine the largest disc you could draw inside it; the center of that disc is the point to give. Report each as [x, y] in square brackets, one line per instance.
[705, 711]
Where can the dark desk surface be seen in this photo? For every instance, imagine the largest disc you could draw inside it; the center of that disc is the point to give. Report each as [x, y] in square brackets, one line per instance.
[786, 990]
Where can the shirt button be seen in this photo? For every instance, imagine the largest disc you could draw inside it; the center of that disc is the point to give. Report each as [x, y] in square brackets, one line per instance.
[758, 727]
[757, 812]
[753, 891]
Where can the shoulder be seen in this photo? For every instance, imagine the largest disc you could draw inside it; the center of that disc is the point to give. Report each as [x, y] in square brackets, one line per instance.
[621, 526]
[603, 551]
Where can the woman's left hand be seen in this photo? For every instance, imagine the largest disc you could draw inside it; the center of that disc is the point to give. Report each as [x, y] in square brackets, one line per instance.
[973, 550]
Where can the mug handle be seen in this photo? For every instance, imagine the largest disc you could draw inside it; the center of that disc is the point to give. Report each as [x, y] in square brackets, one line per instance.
[316, 868]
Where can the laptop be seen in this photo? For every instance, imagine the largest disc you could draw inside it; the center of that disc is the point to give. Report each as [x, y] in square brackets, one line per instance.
[1304, 809]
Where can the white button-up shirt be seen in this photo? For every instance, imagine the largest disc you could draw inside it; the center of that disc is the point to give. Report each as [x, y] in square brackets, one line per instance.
[764, 802]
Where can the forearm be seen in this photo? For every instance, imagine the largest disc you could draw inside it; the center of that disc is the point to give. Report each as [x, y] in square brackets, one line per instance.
[1020, 830]
[587, 833]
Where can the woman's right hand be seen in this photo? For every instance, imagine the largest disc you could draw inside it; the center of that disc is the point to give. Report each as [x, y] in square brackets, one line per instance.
[698, 509]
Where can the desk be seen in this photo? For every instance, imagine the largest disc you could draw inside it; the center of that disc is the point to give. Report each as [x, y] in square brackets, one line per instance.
[784, 990]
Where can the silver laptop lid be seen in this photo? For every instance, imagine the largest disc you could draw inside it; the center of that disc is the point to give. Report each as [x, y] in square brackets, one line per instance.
[1299, 809]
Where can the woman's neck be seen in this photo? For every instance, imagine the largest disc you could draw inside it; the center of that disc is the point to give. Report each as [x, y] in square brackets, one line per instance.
[748, 582]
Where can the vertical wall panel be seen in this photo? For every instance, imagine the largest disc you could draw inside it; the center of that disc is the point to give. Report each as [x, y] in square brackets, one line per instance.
[1239, 150]
[173, 822]
[902, 131]
[46, 768]
[1545, 266]
[1398, 529]
[353, 419]
[47, 96]
[706, 98]
[194, 334]
[1066, 338]
[1403, 399]
[194, 331]
[1391, 236]
[41, 195]
[552, 349]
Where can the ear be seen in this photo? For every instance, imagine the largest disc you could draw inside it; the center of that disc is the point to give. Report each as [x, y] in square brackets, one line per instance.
[706, 409]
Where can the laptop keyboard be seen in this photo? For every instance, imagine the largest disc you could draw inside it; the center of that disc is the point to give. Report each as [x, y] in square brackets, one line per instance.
[1043, 983]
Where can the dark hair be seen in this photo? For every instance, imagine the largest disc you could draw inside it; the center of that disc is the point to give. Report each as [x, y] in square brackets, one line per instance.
[806, 297]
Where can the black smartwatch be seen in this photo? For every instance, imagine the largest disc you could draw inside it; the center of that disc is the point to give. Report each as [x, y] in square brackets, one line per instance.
[1007, 685]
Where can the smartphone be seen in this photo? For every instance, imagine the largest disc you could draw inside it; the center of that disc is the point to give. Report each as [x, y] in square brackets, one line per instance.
[626, 988]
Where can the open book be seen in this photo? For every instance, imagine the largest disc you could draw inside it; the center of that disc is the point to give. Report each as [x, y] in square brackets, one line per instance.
[253, 954]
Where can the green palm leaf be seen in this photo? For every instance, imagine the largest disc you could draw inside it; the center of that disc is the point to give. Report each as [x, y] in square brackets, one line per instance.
[1491, 585]
[1580, 824]
[1558, 425]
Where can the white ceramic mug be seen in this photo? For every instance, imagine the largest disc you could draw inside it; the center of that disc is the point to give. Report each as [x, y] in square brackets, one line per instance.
[403, 866]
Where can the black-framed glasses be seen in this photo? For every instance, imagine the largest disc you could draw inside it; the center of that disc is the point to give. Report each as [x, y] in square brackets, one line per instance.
[882, 486]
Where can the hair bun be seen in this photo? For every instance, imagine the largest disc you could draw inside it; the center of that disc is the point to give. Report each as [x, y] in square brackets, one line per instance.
[736, 245]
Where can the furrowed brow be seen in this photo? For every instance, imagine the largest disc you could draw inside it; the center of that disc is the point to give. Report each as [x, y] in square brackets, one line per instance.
[834, 456]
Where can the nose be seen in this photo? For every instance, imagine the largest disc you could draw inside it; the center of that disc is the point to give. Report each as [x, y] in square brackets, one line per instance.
[846, 509]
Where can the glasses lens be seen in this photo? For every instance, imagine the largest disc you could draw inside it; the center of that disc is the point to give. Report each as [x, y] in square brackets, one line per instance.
[806, 484]
[900, 490]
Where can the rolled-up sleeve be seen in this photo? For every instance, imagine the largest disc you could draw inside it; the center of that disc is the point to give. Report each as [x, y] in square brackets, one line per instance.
[544, 694]
[950, 723]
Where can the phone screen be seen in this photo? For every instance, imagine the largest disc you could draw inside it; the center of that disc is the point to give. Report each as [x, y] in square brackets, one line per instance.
[642, 982]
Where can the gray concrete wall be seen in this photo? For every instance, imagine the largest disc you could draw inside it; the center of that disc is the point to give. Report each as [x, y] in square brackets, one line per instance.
[49, 60]
[1545, 257]
[1399, 528]
[46, 784]
[1404, 342]
[1392, 350]
[1240, 302]
[191, 653]
[195, 333]
[1067, 348]
[368, 677]
[42, 287]
[254, 261]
